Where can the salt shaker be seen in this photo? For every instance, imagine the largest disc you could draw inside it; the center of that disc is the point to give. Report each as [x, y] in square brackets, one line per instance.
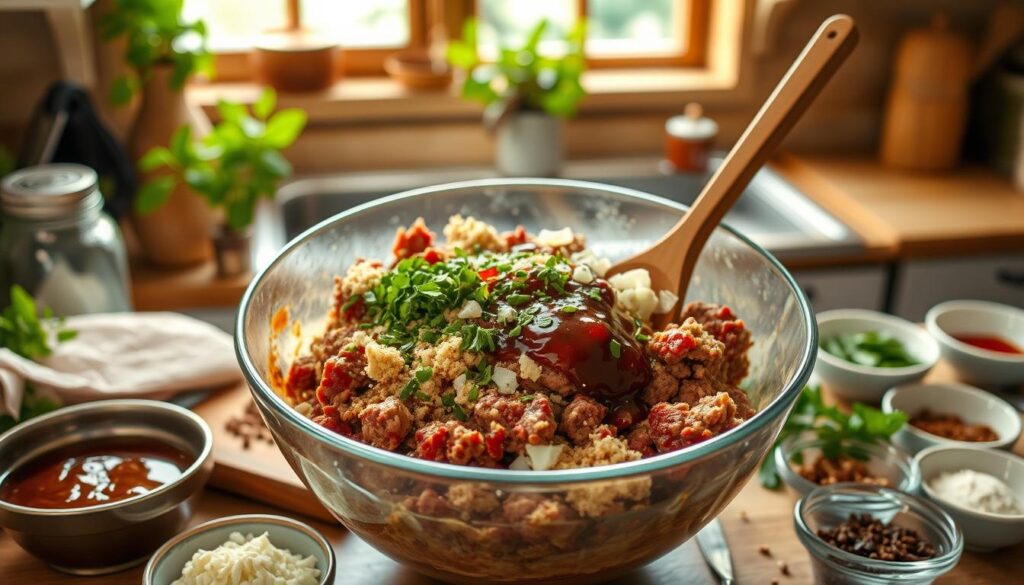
[56, 242]
[688, 140]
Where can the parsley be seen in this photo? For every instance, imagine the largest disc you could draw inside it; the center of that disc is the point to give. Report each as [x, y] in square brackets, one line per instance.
[615, 347]
[594, 294]
[423, 396]
[526, 398]
[411, 386]
[459, 413]
[448, 400]
[641, 336]
[544, 321]
[570, 309]
[424, 374]
[518, 299]
[833, 428]
[478, 339]
[474, 393]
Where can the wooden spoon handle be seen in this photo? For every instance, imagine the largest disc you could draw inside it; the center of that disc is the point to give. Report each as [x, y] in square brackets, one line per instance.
[822, 56]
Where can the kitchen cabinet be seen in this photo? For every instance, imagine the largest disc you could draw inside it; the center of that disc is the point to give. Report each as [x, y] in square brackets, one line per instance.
[859, 287]
[922, 284]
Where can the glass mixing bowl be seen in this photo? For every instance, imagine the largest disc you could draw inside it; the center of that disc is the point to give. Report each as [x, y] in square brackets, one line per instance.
[426, 514]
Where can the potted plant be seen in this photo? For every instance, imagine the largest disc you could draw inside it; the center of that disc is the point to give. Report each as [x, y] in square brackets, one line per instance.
[526, 95]
[234, 166]
[162, 52]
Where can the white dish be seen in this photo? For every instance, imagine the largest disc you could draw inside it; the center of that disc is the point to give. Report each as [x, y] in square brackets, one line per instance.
[863, 383]
[982, 531]
[973, 364]
[972, 405]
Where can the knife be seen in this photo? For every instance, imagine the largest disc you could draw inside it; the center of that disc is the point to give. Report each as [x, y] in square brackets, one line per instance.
[714, 547]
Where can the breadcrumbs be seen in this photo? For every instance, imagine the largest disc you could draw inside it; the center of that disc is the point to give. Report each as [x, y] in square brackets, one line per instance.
[468, 233]
[528, 369]
[383, 363]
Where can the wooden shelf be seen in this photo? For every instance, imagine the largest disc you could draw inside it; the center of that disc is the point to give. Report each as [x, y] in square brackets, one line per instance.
[162, 289]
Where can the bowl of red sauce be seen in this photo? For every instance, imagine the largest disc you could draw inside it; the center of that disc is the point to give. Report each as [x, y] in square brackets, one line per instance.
[95, 488]
[983, 341]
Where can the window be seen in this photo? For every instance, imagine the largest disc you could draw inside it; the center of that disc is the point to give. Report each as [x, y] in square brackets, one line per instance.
[620, 33]
[368, 30]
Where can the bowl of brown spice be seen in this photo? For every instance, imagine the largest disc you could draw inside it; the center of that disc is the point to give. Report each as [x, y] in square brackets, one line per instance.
[952, 415]
[805, 462]
[867, 535]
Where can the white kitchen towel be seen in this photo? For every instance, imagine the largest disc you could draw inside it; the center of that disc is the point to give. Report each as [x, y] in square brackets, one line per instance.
[123, 355]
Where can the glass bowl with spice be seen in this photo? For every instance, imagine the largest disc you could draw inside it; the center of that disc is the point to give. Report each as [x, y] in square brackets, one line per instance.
[982, 489]
[952, 414]
[807, 461]
[873, 535]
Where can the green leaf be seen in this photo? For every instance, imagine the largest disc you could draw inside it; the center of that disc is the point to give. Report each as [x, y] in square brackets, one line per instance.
[535, 35]
[181, 143]
[284, 127]
[275, 164]
[157, 157]
[461, 55]
[265, 104]
[66, 335]
[239, 214]
[122, 89]
[154, 194]
[231, 112]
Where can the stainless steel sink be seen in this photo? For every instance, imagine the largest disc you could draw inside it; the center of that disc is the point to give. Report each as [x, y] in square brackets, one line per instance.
[771, 211]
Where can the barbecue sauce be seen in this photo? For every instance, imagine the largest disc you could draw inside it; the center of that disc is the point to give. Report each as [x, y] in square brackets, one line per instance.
[989, 342]
[94, 473]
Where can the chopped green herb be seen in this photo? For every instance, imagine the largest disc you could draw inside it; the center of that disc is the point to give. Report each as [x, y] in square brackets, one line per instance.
[423, 396]
[473, 393]
[594, 294]
[407, 391]
[518, 299]
[870, 348]
[526, 398]
[424, 374]
[544, 321]
[448, 399]
[459, 413]
[640, 336]
[615, 347]
[569, 309]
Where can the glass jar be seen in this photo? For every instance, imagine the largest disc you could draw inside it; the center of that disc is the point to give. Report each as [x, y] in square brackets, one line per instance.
[56, 242]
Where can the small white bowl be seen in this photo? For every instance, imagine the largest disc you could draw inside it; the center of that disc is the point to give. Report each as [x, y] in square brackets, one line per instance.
[863, 383]
[167, 563]
[973, 364]
[971, 404]
[982, 531]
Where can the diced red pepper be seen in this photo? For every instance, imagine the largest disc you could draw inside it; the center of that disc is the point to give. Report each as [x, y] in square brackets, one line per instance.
[412, 241]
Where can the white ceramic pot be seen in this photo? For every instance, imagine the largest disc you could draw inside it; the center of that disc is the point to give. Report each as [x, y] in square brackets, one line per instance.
[530, 145]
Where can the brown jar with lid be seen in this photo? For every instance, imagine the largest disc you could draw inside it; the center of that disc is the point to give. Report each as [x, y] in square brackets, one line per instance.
[688, 140]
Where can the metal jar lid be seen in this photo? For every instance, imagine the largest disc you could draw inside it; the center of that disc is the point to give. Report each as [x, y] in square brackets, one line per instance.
[50, 191]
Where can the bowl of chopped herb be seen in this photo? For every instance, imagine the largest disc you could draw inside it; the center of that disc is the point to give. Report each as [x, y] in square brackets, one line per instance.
[489, 407]
[862, 354]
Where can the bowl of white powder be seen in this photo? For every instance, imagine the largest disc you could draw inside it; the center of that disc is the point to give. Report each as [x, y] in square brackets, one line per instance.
[253, 549]
[982, 489]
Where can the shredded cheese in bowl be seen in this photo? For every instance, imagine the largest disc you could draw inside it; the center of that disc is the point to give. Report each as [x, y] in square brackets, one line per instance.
[249, 560]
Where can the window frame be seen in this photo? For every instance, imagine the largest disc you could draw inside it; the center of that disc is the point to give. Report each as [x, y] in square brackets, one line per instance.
[424, 15]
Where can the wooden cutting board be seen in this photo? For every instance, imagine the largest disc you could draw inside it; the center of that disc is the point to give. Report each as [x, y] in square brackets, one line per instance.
[256, 470]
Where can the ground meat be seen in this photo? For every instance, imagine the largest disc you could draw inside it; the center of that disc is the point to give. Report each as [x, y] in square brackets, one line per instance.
[492, 407]
[343, 374]
[581, 417]
[538, 377]
[453, 442]
[302, 378]
[688, 343]
[640, 439]
[359, 278]
[331, 343]
[431, 503]
[412, 241]
[663, 387]
[720, 322]
[679, 425]
[386, 424]
[473, 500]
[691, 391]
[537, 425]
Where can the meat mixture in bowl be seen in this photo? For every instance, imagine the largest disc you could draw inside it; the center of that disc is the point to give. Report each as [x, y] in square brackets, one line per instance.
[512, 350]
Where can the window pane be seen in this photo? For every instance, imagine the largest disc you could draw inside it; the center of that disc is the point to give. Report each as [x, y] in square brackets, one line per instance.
[506, 24]
[232, 24]
[639, 27]
[362, 23]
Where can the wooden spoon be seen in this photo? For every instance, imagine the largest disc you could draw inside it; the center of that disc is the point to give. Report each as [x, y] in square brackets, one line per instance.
[671, 260]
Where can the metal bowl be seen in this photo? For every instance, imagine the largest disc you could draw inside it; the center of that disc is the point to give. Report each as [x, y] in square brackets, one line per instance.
[374, 492]
[169, 560]
[108, 537]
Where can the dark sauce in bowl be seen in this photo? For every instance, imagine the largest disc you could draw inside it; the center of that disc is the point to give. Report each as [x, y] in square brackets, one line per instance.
[94, 473]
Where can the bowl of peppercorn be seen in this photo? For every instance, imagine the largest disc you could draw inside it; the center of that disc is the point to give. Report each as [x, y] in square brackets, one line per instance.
[873, 535]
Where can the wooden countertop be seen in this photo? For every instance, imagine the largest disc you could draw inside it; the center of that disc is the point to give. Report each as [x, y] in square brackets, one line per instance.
[769, 522]
[968, 210]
